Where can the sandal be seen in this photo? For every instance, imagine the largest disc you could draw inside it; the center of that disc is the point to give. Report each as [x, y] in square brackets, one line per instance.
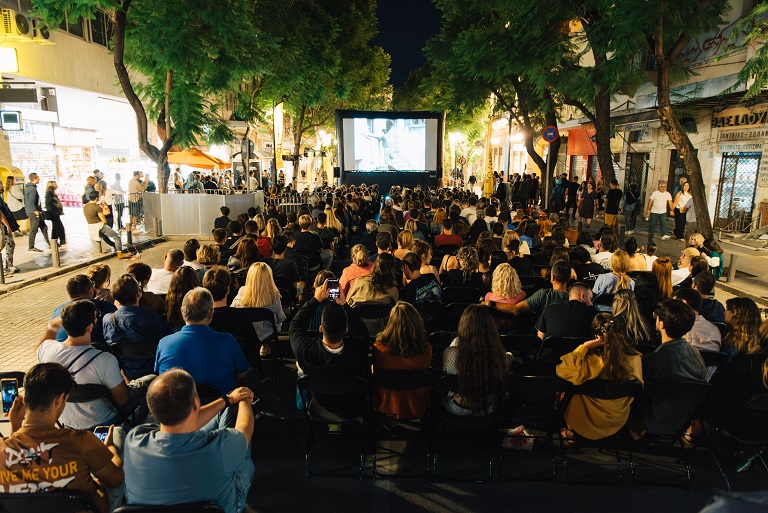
[567, 436]
[690, 439]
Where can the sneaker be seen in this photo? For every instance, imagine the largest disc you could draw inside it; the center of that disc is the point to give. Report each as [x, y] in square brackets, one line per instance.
[34, 250]
[666, 237]
[11, 270]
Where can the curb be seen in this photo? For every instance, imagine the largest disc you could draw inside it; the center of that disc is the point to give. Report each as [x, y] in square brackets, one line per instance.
[68, 269]
[760, 300]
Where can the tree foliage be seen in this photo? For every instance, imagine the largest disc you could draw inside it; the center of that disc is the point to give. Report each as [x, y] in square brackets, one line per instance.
[755, 25]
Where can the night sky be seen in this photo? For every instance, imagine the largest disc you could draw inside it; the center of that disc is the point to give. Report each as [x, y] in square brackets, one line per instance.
[404, 28]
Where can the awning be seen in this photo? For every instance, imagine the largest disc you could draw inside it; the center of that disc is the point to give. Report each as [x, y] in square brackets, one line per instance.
[637, 121]
[196, 158]
[580, 141]
[694, 91]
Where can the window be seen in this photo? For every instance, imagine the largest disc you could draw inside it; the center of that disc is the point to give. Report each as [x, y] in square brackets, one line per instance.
[101, 29]
[76, 28]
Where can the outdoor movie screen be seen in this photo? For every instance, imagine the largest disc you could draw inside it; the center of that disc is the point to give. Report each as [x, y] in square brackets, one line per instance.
[371, 143]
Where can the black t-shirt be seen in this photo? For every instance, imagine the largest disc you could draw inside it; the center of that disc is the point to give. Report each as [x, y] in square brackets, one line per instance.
[423, 289]
[308, 240]
[571, 319]
[589, 271]
[523, 266]
[613, 199]
[284, 272]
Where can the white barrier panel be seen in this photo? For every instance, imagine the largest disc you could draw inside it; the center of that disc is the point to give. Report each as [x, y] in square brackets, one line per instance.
[193, 214]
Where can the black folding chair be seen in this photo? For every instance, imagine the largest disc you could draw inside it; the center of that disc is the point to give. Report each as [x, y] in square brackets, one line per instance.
[373, 315]
[485, 426]
[508, 323]
[723, 327]
[554, 347]
[604, 300]
[313, 258]
[266, 315]
[534, 282]
[453, 313]
[714, 358]
[525, 347]
[605, 390]
[646, 348]
[86, 393]
[440, 340]
[534, 402]
[467, 295]
[447, 249]
[196, 507]
[132, 355]
[668, 408]
[353, 392]
[403, 381]
[46, 502]
[431, 313]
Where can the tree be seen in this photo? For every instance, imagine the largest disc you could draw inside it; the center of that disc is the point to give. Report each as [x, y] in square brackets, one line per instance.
[183, 54]
[665, 29]
[755, 70]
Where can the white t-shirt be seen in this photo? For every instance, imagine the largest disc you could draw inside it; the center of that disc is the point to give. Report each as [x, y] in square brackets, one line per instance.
[603, 258]
[649, 260]
[159, 281]
[102, 370]
[659, 202]
[678, 275]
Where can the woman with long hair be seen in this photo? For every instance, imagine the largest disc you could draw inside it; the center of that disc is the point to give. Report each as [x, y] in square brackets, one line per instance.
[182, 281]
[412, 226]
[588, 205]
[743, 319]
[511, 235]
[53, 211]
[464, 272]
[260, 291]
[662, 268]
[478, 358]
[377, 287]
[609, 356]
[261, 223]
[478, 227]
[625, 308]
[100, 275]
[585, 240]
[424, 250]
[404, 244]
[402, 346]
[647, 295]
[272, 229]
[617, 279]
[246, 254]
[360, 267]
[679, 201]
[15, 199]
[436, 226]
[505, 287]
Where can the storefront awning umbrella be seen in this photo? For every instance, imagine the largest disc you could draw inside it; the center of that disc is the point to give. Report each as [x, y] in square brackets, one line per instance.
[196, 158]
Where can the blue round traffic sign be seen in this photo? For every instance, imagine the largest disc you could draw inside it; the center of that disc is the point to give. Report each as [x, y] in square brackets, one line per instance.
[550, 134]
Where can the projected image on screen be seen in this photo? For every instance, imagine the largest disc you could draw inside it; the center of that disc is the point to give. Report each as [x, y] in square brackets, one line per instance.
[389, 144]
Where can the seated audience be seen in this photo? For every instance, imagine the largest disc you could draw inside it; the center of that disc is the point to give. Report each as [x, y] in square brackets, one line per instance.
[100, 275]
[360, 267]
[462, 270]
[703, 334]
[247, 253]
[618, 279]
[369, 240]
[260, 291]
[133, 323]
[341, 348]
[301, 263]
[447, 237]
[79, 287]
[571, 319]
[260, 237]
[210, 357]
[674, 359]
[625, 308]
[662, 269]
[284, 272]
[743, 319]
[190, 254]
[421, 288]
[583, 266]
[539, 300]
[87, 365]
[605, 250]
[522, 266]
[609, 356]
[196, 454]
[208, 255]
[711, 309]
[143, 273]
[305, 239]
[402, 346]
[160, 279]
[37, 448]
[404, 244]
[424, 250]
[184, 280]
[505, 287]
[684, 265]
[220, 239]
[477, 357]
[636, 260]
[378, 287]
[222, 221]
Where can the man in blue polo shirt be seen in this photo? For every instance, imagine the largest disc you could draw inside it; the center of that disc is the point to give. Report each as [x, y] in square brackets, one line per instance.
[210, 357]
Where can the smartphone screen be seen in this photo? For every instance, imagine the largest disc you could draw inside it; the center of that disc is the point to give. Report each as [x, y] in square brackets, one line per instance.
[10, 389]
[101, 433]
[334, 290]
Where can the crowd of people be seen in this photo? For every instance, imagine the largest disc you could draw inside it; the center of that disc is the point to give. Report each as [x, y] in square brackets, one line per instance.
[638, 317]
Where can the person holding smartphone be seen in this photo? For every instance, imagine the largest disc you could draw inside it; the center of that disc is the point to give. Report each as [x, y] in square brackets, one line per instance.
[40, 455]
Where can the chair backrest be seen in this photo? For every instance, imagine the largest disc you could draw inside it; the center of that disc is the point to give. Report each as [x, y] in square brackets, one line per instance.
[555, 347]
[671, 404]
[402, 379]
[604, 300]
[635, 274]
[196, 507]
[333, 385]
[439, 340]
[535, 390]
[144, 349]
[758, 403]
[312, 256]
[372, 310]
[429, 311]
[207, 392]
[604, 389]
[533, 282]
[523, 346]
[450, 383]
[262, 315]
[645, 348]
[45, 502]
[723, 327]
[85, 393]
[714, 358]
[447, 249]
[466, 295]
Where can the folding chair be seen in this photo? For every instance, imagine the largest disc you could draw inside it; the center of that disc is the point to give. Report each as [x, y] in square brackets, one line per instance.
[534, 403]
[668, 409]
[207, 392]
[374, 316]
[431, 313]
[604, 300]
[508, 323]
[604, 389]
[714, 358]
[313, 259]
[133, 355]
[453, 313]
[439, 340]
[536, 282]
[484, 425]
[266, 315]
[554, 347]
[723, 327]
[467, 295]
[525, 347]
[403, 381]
[353, 391]
[46, 502]
[86, 393]
[447, 249]
[196, 507]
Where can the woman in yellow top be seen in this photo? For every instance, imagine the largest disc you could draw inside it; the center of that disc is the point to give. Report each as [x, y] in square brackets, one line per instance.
[610, 356]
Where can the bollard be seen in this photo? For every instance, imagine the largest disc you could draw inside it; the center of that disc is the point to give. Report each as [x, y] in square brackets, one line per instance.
[2, 273]
[129, 237]
[731, 269]
[157, 227]
[55, 254]
[160, 227]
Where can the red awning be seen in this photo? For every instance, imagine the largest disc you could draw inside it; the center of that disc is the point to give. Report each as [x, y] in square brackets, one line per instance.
[579, 142]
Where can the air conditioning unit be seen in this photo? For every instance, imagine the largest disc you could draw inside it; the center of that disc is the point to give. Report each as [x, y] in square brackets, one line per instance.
[40, 33]
[16, 26]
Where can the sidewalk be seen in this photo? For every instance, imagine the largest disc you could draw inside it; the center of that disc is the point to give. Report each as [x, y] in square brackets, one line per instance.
[79, 252]
[751, 278]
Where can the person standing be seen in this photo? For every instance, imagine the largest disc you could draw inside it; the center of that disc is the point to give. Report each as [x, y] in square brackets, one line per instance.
[119, 200]
[630, 207]
[571, 197]
[15, 199]
[681, 199]
[612, 200]
[53, 212]
[588, 202]
[8, 225]
[135, 189]
[658, 205]
[34, 211]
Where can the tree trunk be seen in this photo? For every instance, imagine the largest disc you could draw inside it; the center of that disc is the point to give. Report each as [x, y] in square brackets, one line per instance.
[676, 134]
[550, 118]
[603, 135]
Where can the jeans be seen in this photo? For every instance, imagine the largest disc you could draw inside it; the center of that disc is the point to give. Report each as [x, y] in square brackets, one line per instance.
[679, 224]
[36, 222]
[57, 229]
[661, 219]
[116, 494]
[10, 246]
[118, 213]
[630, 218]
[326, 258]
[106, 232]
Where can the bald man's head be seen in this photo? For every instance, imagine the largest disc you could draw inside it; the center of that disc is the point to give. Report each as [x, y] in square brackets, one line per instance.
[171, 397]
